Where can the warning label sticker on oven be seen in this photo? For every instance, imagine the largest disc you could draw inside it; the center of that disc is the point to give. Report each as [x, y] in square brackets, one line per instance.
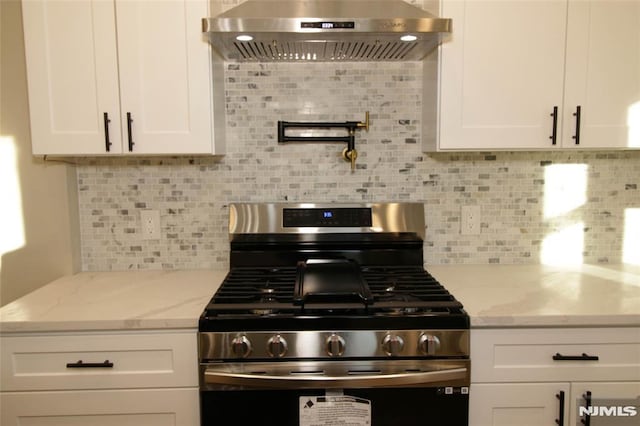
[339, 410]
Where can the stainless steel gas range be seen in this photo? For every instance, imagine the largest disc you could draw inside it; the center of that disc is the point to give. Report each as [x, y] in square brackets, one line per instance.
[327, 316]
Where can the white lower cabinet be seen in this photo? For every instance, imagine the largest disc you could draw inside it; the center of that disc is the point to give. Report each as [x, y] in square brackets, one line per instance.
[510, 404]
[542, 376]
[99, 378]
[534, 404]
[604, 395]
[139, 407]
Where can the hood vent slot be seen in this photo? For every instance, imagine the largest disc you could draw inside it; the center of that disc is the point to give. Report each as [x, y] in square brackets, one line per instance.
[321, 51]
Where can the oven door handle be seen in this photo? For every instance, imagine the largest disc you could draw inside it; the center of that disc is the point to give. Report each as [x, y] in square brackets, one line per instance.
[318, 380]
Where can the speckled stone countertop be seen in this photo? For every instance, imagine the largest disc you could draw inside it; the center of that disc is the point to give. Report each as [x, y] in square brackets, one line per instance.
[545, 296]
[493, 295]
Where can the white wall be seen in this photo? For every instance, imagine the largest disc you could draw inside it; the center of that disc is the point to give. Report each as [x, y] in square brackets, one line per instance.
[39, 239]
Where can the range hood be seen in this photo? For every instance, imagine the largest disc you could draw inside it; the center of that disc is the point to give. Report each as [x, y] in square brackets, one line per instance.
[325, 30]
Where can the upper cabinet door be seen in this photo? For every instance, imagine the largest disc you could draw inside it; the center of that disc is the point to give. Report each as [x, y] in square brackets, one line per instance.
[603, 74]
[72, 69]
[502, 74]
[135, 73]
[165, 77]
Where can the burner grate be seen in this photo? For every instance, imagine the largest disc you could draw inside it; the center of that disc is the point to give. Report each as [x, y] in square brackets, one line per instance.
[257, 285]
[406, 284]
[396, 290]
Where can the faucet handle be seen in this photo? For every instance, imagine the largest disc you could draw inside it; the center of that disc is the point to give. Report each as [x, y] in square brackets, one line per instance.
[353, 154]
[350, 155]
[365, 124]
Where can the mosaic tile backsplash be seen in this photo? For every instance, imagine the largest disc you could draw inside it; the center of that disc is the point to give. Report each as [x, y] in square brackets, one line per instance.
[535, 206]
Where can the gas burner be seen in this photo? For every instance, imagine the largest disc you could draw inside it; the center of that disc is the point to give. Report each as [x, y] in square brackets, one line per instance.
[399, 311]
[267, 291]
[262, 312]
[392, 296]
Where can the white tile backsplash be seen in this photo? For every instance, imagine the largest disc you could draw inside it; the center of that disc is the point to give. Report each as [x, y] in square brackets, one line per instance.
[192, 194]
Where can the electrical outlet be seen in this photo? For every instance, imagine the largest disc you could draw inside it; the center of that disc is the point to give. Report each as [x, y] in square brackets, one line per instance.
[150, 222]
[470, 220]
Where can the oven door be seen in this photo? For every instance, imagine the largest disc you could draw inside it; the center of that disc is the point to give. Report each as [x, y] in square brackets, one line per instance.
[378, 393]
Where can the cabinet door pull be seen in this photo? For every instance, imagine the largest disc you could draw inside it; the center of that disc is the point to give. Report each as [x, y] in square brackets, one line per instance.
[583, 357]
[577, 115]
[107, 142]
[560, 419]
[587, 403]
[81, 364]
[554, 130]
[129, 133]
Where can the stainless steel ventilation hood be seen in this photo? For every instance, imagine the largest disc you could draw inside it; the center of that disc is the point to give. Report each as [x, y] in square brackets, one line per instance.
[325, 30]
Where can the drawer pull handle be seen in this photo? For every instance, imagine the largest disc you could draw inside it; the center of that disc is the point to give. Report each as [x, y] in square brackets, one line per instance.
[80, 364]
[583, 357]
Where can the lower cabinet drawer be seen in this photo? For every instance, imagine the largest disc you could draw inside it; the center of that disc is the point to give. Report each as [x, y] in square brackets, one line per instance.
[138, 407]
[98, 361]
[555, 354]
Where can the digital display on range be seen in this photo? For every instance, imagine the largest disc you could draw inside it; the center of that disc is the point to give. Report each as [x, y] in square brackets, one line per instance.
[339, 217]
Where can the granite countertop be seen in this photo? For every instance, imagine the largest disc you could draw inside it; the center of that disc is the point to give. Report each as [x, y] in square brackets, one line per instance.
[493, 295]
[114, 301]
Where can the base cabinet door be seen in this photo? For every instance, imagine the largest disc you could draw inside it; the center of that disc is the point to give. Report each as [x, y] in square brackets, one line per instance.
[522, 404]
[157, 407]
[610, 403]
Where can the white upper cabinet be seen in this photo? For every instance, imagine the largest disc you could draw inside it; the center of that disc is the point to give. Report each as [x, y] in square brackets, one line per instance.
[123, 76]
[72, 72]
[603, 74]
[513, 75]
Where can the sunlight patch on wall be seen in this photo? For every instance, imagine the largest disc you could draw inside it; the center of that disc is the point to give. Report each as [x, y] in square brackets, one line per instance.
[565, 188]
[565, 191]
[633, 122]
[631, 242]
[11, 217]
[564, 247]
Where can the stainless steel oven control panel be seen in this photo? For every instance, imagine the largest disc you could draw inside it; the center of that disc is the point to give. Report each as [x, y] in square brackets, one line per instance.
[319, 218]
[333, 344]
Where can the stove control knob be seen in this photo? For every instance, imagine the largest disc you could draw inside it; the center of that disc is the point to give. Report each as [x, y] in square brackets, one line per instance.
[276, 346]
[241, 346]
[428, 344]
[392, 344]
[335, 345]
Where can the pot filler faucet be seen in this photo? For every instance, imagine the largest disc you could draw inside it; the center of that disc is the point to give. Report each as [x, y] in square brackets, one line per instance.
[349, 153]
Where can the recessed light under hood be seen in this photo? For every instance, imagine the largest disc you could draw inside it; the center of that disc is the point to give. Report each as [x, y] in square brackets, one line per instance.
[325, 30]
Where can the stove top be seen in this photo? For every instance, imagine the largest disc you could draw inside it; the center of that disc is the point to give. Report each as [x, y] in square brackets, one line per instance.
[270, 291]
[404, 296]
[315, 267]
